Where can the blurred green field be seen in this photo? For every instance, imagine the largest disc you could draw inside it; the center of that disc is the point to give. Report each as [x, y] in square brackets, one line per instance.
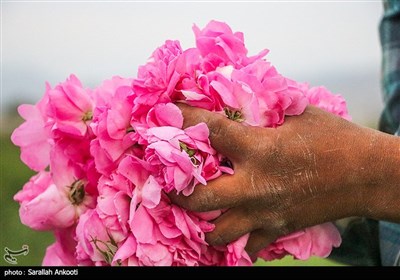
[13, 175]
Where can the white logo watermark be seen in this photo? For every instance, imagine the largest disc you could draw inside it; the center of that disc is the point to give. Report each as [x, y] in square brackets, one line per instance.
[10, 255]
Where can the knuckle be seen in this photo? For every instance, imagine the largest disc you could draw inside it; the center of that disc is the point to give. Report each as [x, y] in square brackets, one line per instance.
[187, 202]
[195, 207]
[216, 239]
[216, 125]
[192, 205]
[192, 115]
[205, 201]
[276, 224]
[197, 202]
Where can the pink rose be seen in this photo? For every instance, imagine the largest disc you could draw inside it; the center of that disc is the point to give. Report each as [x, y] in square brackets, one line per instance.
[235, 255]
[146, 189]
[220, 46]
[112, 127]
[165, 235]
[95, 242]
[179, 155]
[61, 252]
[71, 107]
[102, 94]
[71, 161]
[324, 99]
[157, 79]
[113, 203]
[240, 101]
[44, 206]
[313, 241]
[33, 136]
[164, 114]
[193, 87]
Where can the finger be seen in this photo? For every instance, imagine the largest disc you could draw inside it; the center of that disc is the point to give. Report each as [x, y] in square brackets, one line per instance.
[228, 137]
[221, 193]
[231, 225]
[258, 240]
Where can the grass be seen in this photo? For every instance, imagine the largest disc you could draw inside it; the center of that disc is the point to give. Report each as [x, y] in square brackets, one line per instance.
[13, 175]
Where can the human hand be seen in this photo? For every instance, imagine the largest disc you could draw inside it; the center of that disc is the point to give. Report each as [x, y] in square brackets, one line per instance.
[315, 168]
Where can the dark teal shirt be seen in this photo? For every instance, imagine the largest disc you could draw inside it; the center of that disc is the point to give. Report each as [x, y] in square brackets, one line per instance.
[389, 30]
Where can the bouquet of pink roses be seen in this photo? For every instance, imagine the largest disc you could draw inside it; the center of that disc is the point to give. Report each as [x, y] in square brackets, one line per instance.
[107, 157]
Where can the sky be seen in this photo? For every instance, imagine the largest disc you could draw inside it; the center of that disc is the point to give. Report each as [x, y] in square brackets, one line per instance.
[330, 43]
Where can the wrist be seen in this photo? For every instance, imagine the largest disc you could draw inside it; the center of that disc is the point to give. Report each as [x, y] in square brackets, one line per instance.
[381, 172]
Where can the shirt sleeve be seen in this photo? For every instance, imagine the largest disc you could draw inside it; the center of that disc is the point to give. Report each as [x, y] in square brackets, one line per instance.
[389, 233]
[389, 31]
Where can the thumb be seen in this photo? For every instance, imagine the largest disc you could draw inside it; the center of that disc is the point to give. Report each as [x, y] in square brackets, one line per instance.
[228, 137]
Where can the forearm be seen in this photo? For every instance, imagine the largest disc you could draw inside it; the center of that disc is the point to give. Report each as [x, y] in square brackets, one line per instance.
[382, 168]
[353, 172]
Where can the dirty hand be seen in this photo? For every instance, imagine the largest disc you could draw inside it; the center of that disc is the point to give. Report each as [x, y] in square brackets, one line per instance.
[314, 168]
